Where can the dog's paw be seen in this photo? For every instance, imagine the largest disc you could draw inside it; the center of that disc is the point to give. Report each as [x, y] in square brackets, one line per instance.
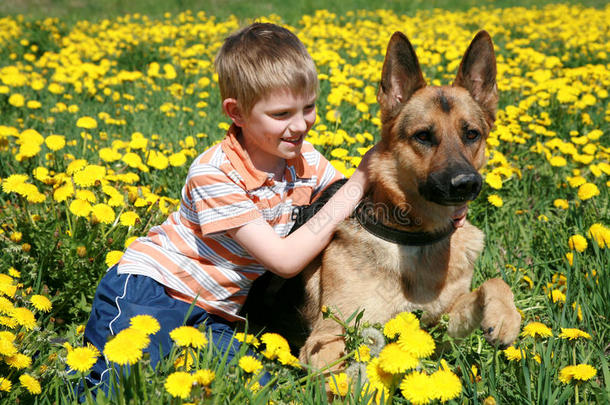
[501, 321]
[321, 351]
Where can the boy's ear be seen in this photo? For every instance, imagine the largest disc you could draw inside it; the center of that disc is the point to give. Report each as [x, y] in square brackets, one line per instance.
[231, 108]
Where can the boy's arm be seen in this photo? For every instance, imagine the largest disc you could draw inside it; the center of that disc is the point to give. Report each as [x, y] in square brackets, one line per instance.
[287, 256]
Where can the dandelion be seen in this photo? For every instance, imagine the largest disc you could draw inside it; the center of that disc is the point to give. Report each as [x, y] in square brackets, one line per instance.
[145, 323]
[5, 384]
[587, 191]
[204, 377]
[250, 364]
[30, 383]
[573, 333]
[129, 218]
[113, 257]
[581, 372]
[401, 323]
[247, 338]
[86, 122]
[393, 359]
[577, 242]
[287, 359]
[512, 353]
[378, 378]
[374, 340]
[534, 329]
[24, 317]
[55, 142]
[339, 384]
[19, 361]
[417, 388]
[82, 358]
[494, 180]
[446, 385]
[561, 204]
[363, 354]
[600, 234]
[179, 384]
[274, 345]
[103, 213]
[495, 200]
[126, 347]
[188, 336]
[418, 342]
[41, 303]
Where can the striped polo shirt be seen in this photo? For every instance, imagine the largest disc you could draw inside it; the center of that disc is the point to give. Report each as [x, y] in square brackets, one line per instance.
[191, 253]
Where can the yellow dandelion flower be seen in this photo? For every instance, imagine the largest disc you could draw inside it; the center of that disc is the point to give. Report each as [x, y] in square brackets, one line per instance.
[129, 218]
[6, 306]
[13, 182]
[587, 191]
[417, 388]
[24, 317]
[557, 296]
[250, 364]
[204, 377]
[184, 360]
[247, 338]
[288, 359]
[145, 323]
[446, 385]
[378, 378]
[558, 161]
[41, 303]
[573, 333]
[16, 100]
[393, 359]
[418, 342]
[570, 258]
[494, 180]
[577, 242]
[179, 384]
[512, 353]
[126, 347]
[274, 344]
[339, 384]
[495, 200]
[600, 234]
[188, 336]
[404, 322]
[19, 361]
[82, 358]
[113, 257]
[86, 122]
[55, 142]
[581, 372]
[177, 159]
[363, 354]
[5, 384]
[103, 213]
[561, 204]
[30, 383]
[534, 329]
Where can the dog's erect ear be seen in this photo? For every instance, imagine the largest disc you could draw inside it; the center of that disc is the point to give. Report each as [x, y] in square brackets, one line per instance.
[477, 73]
[400, 77]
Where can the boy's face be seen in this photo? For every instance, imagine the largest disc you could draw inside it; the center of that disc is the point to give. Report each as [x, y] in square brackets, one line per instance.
[275, 128]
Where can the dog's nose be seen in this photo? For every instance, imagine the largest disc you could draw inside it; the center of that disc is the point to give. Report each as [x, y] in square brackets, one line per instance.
[466, 185]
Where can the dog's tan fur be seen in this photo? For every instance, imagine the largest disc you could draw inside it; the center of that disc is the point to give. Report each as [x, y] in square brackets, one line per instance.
[359, 271]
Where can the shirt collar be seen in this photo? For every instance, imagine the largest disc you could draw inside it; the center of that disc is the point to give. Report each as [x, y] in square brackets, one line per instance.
[254, 178]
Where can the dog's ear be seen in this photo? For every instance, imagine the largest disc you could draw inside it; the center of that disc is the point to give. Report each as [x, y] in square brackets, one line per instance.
[477, 74]
[400, 77]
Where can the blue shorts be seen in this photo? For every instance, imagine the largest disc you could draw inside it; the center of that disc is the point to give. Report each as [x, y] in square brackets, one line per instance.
[119, 297]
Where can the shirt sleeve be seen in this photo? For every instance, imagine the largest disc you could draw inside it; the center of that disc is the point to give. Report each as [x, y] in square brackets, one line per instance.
[214, 202]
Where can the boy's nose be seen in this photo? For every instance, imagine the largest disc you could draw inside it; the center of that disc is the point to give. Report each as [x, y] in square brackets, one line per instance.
[298, 124]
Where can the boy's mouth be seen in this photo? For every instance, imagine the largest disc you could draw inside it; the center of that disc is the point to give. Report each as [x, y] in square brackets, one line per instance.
[294, 141]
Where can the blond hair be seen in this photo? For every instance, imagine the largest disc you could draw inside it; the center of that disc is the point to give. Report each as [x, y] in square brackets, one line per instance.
[261, 58]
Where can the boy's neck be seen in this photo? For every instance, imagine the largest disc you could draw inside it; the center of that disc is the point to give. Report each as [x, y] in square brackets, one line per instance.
[262, 161]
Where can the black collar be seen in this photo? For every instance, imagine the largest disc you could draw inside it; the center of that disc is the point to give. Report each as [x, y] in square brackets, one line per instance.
[365, 216]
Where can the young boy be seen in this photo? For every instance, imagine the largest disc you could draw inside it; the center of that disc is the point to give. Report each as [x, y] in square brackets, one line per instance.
[236, 204]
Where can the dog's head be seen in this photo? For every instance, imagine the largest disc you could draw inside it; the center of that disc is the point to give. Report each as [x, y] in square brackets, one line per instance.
[433, 138]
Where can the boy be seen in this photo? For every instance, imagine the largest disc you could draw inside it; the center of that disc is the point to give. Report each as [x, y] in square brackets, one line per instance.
[236, 204]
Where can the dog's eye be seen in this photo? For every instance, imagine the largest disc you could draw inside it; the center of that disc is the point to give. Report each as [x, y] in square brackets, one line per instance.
[472, 135]
[424, 137]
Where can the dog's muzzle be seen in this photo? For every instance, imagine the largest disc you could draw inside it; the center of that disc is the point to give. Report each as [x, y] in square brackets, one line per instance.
[452, 186]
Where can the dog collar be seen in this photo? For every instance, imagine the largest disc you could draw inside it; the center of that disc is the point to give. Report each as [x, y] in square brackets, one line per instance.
[398, 236]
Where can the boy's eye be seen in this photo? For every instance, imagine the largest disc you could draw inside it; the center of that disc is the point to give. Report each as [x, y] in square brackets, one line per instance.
[280, 114]
[310, 107]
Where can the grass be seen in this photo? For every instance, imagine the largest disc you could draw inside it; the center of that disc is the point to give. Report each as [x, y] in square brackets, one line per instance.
[551, 137]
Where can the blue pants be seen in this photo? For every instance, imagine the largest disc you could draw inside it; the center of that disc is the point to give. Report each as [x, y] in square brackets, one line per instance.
[119, 297]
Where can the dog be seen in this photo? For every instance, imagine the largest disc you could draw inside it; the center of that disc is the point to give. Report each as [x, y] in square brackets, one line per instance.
[408, 246]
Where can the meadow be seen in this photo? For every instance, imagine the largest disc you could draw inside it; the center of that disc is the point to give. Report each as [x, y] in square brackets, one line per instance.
[100, 118]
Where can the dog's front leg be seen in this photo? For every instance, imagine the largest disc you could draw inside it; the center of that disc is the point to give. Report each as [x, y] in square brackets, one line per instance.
[322, 348]
[491, 306]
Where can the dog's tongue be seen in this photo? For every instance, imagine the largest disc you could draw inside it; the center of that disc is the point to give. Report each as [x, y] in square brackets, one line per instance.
[459, 216]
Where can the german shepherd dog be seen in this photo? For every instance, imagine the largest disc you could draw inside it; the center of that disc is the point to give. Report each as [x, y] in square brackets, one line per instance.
[408, 245]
